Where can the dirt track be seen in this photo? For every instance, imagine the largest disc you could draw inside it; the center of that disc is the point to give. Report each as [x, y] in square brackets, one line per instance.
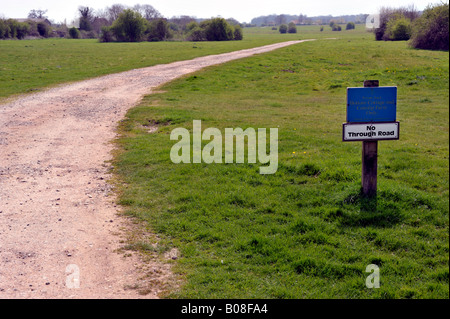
[58, 219]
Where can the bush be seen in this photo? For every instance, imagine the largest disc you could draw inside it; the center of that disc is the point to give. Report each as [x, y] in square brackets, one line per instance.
[43, 29]
[196, 34]
[4, 29]
[389, 14]
[336, 27]
[22, 30]
[33, 31]
[398, 29]
[283, 28]
[10, 29]
[106, 34]
[218, 29]
[238, 33]
[88, 34]
[13, 25]
[350, 26]
[74, 33]
[158, 30]
[62, 31]
[292, 28]
[431, 30]
[129, 26]
[13, 29]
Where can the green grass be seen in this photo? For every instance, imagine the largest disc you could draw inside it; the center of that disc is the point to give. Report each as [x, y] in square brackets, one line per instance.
[304, 232]
[30, 65]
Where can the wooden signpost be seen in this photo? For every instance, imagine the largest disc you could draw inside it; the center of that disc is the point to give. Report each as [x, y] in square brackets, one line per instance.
[371, 116]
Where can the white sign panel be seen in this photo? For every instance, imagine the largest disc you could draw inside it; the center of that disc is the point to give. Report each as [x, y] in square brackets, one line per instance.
[371, 131]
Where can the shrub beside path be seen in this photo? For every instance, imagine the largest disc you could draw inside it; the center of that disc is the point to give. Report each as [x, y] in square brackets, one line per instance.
[58, 220]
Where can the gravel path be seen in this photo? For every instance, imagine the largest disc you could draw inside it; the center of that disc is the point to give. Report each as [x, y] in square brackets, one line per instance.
[59, 226]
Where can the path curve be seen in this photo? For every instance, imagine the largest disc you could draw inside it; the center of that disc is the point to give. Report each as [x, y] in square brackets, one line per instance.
[58, 220]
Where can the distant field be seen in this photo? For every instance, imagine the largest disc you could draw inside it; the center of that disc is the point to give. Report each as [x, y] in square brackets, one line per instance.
[29, 65]
[304, 232]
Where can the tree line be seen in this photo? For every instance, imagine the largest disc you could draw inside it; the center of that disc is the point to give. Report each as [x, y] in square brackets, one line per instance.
[131, 26]
[13, 29]
[425, 30]
[105, 24]
[303, 19]
[118, 22]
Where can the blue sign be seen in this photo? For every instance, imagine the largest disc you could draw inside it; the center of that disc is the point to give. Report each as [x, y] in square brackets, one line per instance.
[372, 104]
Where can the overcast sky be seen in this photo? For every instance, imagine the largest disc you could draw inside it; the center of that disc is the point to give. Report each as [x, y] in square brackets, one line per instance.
[241, 10]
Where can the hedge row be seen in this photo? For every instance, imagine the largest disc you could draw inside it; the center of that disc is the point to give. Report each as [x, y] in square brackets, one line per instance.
[130, 26]
[427, 31]
[12, 29]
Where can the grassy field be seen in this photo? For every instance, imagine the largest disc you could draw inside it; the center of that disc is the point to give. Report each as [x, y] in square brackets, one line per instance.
[29, 65]
[304, 232]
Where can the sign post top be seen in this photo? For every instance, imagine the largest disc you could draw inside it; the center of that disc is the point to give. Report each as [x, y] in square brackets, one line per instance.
[371, 83]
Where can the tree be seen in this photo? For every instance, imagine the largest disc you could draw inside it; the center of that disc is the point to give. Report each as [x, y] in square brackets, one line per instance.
[196, 33]
[114, 11]
[22, 30]
[388, 14]
[233, 21]
[350, 26]
[12, 29]
[37, 14]
[431, 30]
[43, 29]
[74, 33]
[283, 28]
[13, 25]
[159, 30]
[292, 28]
[183, 22]
[336, 27]
[4, 29]
[106, 34]
[280, 19]
[129, 26]
[302, 18]
[218, 29]
[398, 29]
[238, 34]
[98, 23]
[147, 11]
[86, 18]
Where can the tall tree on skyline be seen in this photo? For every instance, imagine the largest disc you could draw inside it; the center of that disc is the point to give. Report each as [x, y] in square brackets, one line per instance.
[37, 14]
